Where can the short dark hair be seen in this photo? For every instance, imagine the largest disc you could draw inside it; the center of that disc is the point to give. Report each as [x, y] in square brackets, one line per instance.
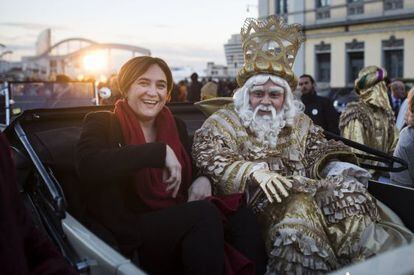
[194, 76]
[137, 66]
[308, 76]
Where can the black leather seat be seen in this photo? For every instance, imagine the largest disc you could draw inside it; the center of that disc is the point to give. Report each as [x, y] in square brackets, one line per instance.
[56, 149]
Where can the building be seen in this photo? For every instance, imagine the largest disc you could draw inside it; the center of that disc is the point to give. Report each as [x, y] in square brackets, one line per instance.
[344, 36]
[216, 71]
[234, 54]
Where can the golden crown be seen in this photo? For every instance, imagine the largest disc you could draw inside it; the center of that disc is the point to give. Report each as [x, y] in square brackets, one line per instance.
[270, 46]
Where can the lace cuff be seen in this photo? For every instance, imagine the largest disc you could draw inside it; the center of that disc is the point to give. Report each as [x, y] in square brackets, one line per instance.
[346, 169]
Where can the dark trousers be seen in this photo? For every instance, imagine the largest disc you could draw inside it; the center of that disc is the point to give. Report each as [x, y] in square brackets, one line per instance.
[189, 239]
[243, 232]
[184, 239]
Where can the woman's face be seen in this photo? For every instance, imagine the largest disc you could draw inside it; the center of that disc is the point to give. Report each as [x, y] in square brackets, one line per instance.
[148, 94]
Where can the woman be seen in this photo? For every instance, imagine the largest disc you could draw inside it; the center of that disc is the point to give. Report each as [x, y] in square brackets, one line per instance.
[405, 147]
[137, 173]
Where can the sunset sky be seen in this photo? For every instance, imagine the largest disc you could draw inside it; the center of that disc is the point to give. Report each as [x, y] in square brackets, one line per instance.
[184, 32]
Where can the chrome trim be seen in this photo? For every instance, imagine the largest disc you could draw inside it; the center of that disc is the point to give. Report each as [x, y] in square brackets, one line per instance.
[56, 194]
[7, 99]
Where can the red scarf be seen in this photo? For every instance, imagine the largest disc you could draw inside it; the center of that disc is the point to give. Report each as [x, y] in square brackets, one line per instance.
[148, 183]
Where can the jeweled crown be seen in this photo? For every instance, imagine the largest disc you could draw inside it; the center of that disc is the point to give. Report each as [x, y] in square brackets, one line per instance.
[270, 46]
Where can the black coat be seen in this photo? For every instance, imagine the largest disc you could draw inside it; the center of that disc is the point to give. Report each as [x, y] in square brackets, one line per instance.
[321, 111]
[106, 167]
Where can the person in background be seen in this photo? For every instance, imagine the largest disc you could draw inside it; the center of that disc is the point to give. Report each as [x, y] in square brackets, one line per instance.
[23, 248]
[401, 120]
[318, 108]
[209, 90]
[195, 88]
[397, 95]
[115, 93]
[405, 147]
[182, 91]
[370, 120]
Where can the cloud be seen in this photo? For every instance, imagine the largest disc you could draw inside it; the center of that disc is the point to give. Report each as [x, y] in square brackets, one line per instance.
[192, 51]
[8, 38]
[17, 47]
[162, 26]
[31, 26]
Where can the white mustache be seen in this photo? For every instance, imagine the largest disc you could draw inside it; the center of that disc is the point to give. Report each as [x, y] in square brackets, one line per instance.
[265, 108]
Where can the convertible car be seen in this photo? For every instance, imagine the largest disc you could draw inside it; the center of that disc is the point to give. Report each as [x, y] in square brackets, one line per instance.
[43, 144]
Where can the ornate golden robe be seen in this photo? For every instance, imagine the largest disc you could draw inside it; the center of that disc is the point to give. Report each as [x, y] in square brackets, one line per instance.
[322, 224]
[371, 121]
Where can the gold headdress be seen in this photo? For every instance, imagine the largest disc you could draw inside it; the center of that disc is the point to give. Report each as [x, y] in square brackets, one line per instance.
[270, 46]
[369, 76]
[370, 85]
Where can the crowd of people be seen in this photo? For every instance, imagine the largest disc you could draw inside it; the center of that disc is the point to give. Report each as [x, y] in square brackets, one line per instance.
[184, 91]
[381, 119]
[260, 190]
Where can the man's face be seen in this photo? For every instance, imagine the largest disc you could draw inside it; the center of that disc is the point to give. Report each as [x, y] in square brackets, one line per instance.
[305, 85]
[398, 90]
[269, 94]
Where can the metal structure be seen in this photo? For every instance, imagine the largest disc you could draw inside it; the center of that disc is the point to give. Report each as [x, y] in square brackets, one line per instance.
[92, 45]
[65, 57]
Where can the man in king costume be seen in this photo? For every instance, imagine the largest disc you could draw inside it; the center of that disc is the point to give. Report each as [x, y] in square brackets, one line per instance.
[308, 193]
[370, 121]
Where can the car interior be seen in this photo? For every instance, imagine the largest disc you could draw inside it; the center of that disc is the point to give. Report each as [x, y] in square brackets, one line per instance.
[54, 134]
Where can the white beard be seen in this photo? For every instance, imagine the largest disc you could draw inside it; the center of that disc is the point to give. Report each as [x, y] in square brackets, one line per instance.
[266, 128]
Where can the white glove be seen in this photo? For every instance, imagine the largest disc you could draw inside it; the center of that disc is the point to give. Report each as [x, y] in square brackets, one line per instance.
[272, 184]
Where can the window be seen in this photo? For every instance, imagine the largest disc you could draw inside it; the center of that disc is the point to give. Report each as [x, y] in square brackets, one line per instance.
[323, 3]
[393, 4]
[323, 62]
[394, 63]
[355, 60]
[393, 57]
[323, 72]
[355, 7]
[356, 63]
[323, 10]
[281, 7]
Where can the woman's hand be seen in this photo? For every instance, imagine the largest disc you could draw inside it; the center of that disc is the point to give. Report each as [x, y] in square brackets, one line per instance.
[200, 189]
[172, 172]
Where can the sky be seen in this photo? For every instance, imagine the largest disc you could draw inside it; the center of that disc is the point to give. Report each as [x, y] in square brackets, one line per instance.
[186, 33]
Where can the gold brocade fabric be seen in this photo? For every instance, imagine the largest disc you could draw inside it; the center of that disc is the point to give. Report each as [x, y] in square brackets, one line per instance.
[370, 121]
[319, 226]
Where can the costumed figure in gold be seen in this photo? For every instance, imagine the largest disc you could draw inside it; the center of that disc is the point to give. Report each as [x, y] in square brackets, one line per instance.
[370, 121]
[308, 192]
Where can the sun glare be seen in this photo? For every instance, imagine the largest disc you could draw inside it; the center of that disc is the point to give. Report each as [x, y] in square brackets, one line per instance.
[95, 61]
